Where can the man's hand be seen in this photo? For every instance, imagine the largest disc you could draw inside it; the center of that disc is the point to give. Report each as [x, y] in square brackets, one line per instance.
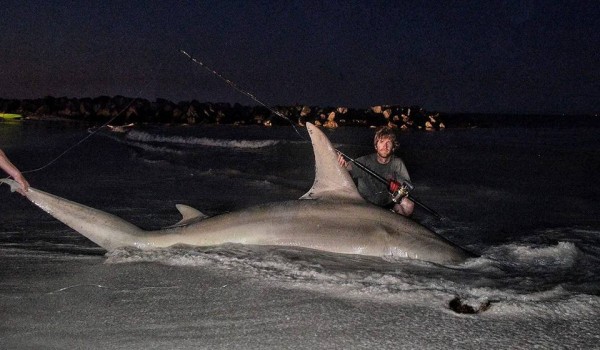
[343, 163]
[24, 184]
[399, 190]
[405, 207]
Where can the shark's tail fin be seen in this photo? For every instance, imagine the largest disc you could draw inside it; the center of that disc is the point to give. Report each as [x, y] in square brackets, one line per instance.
[106, 230]
[14, 186]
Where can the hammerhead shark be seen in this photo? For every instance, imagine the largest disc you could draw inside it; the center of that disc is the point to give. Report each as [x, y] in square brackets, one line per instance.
[331, 216]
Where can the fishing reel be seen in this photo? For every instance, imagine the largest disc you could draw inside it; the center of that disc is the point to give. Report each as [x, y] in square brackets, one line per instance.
[399, 190]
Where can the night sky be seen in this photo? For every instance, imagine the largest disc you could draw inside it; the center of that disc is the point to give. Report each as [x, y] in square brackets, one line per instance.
[451, 56]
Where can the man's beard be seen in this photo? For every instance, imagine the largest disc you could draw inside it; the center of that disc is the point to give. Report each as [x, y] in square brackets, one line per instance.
[384, 154]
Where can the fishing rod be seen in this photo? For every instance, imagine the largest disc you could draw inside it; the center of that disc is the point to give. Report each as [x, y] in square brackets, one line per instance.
[398, 190]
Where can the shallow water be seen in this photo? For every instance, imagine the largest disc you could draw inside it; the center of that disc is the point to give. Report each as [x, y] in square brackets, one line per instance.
[524, 199]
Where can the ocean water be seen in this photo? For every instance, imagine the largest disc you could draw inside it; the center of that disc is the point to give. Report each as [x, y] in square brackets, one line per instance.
[526, 200]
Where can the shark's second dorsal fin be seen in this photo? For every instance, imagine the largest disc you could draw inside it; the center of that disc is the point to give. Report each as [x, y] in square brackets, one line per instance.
[189, 215]
[332, 182]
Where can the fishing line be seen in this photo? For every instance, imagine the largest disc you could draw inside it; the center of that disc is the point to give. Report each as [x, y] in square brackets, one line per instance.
[240, 90]
[250, 95]
[77, 143]
[92, 133]
[74, 145]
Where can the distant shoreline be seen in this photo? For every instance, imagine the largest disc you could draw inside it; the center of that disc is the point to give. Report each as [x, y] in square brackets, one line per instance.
[127, 110]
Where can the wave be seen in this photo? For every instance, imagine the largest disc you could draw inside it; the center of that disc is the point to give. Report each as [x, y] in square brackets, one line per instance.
[537, 283]
[141, 136]
[563, 255]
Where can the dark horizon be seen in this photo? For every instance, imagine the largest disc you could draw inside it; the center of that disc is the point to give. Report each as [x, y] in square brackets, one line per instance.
[491, 57]
[253, 105]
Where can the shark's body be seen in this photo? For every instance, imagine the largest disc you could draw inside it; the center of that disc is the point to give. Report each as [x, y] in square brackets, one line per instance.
[332, 217]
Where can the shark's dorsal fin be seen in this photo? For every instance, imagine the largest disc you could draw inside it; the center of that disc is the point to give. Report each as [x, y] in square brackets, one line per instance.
[189, 215]
[332, 182]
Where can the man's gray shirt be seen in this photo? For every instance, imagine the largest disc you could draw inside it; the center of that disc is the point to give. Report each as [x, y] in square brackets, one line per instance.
[370, 188]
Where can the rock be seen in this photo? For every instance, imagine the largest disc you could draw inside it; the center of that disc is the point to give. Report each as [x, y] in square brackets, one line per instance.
[331, 123]
[140, 110]
[460, 306]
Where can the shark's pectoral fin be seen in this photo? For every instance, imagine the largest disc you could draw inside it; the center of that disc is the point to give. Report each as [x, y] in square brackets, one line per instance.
[189, 215]
[332, 182]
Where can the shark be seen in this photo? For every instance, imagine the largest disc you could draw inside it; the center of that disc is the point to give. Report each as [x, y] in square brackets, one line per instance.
[331, 217]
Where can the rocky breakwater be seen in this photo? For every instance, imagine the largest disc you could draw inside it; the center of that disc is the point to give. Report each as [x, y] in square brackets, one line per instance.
[137, 110]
